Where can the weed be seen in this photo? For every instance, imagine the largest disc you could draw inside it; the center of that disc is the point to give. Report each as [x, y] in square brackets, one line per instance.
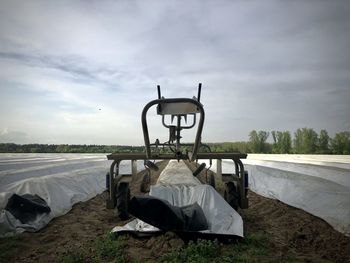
[111, 248]
[253, 248]
[107, 249]
[200, 251]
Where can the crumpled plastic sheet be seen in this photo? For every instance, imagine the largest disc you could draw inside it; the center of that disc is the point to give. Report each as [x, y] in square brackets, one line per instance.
[317, 184]
[221, 217]
[60, 179]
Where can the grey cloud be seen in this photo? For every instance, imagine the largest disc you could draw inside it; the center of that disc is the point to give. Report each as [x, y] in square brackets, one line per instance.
[264, 65]
[14, 137]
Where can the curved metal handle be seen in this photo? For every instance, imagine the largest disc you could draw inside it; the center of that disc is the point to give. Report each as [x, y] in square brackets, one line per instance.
[175, 100]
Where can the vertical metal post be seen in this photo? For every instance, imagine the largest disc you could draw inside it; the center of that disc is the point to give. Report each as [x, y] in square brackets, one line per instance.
[178, 132]
[113, 173]
[159, 94]
[243, 199]
[199, 92]
[219, 168]
[133, 169]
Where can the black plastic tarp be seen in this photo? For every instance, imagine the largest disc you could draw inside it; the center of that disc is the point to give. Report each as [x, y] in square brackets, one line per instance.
[26, 207]
[160, 213]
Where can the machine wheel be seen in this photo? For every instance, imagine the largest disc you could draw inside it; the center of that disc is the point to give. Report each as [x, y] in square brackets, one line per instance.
[123, 198]
[246, 184]
[211, 180]
[107, 181]
[145, 184]
[231, 195]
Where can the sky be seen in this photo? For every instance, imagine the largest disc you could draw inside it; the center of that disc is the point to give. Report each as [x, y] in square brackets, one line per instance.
[80, 72]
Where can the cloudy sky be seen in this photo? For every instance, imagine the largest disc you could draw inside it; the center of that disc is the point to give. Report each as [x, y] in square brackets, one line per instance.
[81, 71]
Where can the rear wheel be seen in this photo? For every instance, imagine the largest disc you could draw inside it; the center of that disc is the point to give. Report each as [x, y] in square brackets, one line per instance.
[231, 195]
[123, 198]
[107, 181]
[145, 184]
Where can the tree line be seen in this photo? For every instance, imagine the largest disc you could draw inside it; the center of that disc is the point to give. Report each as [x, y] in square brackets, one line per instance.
[66, 148]
[303, 141]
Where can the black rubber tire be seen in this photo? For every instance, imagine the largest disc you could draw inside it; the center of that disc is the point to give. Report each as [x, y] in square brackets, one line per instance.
[145, 184]
[246, 176]
[231, 195]
[107, 181]
[123, 198]
[211, 180]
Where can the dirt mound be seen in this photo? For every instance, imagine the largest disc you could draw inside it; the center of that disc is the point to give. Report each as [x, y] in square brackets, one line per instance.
[291, 232]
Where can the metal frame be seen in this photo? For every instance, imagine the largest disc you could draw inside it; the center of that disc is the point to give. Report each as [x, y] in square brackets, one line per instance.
[177, 100]
[238, 176]
[179, 107]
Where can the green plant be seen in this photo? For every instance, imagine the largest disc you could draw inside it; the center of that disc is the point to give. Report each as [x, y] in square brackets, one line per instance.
[200, 251]
[253, 248]
[111, 248]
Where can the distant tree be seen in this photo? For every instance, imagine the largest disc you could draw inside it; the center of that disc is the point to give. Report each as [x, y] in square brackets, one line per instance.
[282, 142]
[298, 141]
[286, 145]
[323, 142]
[254, 141]
[257, 141]
[340, 144]
[264, 147]
[305, 141]
[310, 140]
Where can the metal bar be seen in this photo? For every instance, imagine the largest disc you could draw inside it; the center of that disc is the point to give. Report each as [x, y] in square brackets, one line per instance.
[142, 156]
[159, 94]
[133, 169]
[199, 91]
[236, 168]
[244, 199]
[111, 182]
[219, 168]
[232, 156]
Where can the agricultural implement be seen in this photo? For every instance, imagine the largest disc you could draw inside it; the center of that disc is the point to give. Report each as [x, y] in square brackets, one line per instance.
[178, 110]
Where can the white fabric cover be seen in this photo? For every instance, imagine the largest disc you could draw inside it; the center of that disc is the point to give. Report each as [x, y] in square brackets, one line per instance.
[179, 187]
[318, 184]
[62, 180]
[177, 173]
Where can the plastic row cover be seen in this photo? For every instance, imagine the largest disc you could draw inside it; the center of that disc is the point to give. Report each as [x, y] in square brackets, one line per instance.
[318, 184]
[221, 217]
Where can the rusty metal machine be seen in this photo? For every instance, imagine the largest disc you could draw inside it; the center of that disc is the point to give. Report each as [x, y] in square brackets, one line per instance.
[178, 110]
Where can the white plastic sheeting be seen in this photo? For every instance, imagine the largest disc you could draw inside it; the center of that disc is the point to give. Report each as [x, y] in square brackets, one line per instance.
[177, 173]
[179, 187]
[318, 184]
[60, 179]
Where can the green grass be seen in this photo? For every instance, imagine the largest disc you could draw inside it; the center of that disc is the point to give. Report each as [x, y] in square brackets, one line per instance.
[8, 248]
[254, 248]
[200, 251]
[111, 248]
[106, 249]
